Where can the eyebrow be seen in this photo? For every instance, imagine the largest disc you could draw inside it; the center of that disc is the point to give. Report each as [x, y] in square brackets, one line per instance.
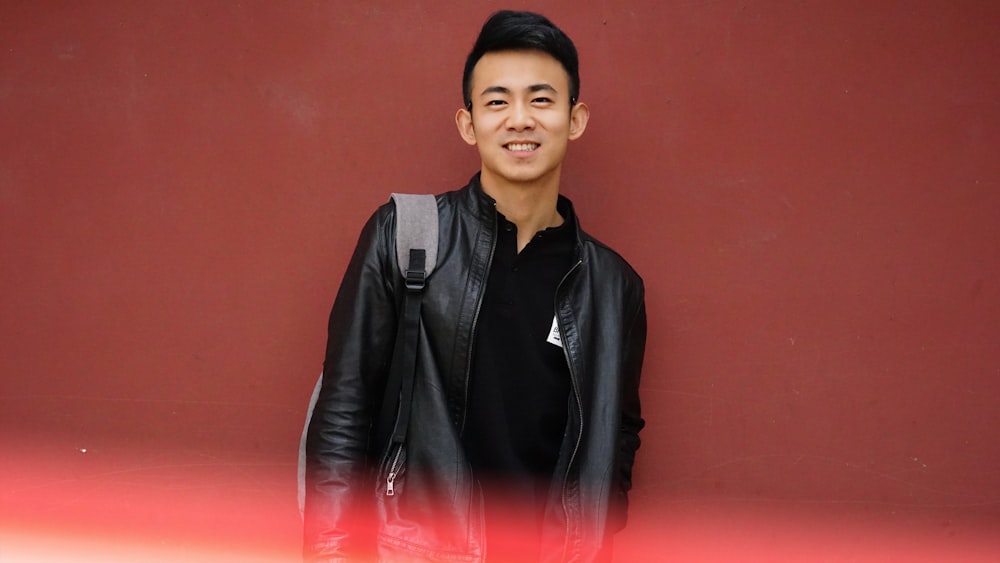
[542, 87]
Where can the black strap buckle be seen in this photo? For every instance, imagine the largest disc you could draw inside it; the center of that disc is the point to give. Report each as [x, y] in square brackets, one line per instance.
[415, 279]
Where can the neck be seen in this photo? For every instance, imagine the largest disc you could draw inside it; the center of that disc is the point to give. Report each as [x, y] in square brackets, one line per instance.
[531, 207]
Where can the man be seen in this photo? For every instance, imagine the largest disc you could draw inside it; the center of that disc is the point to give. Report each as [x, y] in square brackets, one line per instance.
[525, 412]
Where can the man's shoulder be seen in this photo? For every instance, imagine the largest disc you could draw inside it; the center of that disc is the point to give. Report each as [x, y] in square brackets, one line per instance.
[609, 274]
[387, 211]
[606, 259]
[444, 198]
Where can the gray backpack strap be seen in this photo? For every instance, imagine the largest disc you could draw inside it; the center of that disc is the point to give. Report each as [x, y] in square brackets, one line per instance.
[416, 228]
[302, 445]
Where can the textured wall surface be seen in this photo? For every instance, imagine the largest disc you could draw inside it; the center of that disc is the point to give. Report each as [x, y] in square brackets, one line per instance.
[811, 191]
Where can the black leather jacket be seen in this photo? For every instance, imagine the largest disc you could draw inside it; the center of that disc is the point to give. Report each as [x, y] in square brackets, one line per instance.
[435, 513]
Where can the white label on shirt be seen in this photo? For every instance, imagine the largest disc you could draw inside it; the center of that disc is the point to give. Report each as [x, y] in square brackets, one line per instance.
[554, 337]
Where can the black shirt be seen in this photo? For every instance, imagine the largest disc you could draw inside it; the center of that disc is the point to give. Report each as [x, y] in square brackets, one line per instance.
[519, 387]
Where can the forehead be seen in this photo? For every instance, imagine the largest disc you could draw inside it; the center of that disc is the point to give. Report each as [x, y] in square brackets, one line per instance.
[516, 70]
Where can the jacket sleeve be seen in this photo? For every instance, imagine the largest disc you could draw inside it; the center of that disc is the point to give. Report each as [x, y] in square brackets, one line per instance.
[631, 413]
[361, 334]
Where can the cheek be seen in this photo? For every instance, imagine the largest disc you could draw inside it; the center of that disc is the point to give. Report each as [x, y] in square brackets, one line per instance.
[485, 124]
[558, 126]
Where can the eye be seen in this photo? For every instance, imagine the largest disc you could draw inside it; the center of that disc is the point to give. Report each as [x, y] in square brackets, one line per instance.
[495, 102]
[542, 100]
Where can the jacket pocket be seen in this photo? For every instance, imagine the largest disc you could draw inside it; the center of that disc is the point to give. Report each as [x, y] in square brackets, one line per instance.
[415, 526]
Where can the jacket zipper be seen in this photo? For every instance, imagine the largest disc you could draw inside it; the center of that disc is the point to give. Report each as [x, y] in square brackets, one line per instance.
[576, 396]
[393, 471]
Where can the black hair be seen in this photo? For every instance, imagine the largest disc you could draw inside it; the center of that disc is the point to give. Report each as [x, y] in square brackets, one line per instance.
[508, 30]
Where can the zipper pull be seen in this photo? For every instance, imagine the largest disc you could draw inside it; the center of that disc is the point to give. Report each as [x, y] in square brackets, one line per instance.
[389, 491]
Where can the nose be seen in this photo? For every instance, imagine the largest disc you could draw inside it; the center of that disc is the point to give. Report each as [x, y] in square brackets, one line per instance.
[520, 117]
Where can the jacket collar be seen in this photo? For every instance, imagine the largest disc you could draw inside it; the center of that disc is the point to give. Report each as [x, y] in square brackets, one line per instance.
[484, 206]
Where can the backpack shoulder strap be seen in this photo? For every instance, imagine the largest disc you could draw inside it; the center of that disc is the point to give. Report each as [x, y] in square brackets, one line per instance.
[416, 227]
[416, 254]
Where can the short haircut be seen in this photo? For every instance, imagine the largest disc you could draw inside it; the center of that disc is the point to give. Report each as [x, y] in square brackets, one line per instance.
[510, 31]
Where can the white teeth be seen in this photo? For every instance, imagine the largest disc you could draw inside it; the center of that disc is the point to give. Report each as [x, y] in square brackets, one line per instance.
[522, 146]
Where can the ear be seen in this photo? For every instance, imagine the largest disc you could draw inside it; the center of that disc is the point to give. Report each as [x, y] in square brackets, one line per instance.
[578, 118]
[463, 119]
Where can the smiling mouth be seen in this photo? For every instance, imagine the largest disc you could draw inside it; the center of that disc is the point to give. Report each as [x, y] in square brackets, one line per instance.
[519, 147]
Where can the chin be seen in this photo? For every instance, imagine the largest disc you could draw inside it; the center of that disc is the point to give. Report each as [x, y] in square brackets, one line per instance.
[522, 175]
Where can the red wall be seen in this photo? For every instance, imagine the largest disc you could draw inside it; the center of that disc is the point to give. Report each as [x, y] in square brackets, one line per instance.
[810, 190]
